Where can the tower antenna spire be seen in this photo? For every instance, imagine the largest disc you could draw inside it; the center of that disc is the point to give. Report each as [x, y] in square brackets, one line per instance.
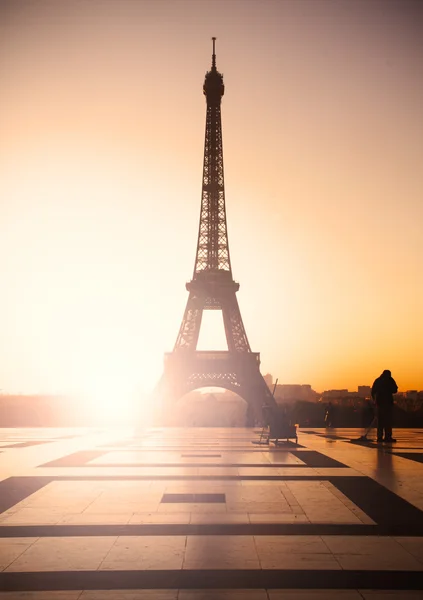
[214, 54]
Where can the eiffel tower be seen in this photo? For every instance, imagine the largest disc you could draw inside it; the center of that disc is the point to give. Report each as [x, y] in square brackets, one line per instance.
[213, 288]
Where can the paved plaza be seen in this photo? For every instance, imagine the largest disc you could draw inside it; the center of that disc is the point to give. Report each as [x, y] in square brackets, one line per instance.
[209, 513]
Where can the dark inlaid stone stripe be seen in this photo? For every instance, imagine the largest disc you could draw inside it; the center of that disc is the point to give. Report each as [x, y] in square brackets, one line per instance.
[76, 459]
[197, 464]
[224, 448]
[318, 460]
[27, 444]
[332, 436]
[396, 447]
[194, 498]
[379, 503]
[16, 489]
[190, 477]
[281, 443]
[201, 456]
[373, 443]
[416, 456]
[211, 579]
[233, 529]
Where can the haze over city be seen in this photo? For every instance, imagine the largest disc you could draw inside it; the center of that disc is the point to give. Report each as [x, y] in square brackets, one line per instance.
[100, 174]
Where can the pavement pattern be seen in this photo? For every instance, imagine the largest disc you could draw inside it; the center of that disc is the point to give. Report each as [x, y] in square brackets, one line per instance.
[209, 514]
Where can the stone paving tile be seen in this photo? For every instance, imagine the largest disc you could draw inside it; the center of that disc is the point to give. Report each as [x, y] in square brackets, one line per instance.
[11, 549]
[108, 509]
[199, 487]
[277, 518]
[219, 471]
[294, 552]
[371, 553]
[287, 493]
[322, 514]
[63, 554]
[320, 505]
[301, 562]
[34, 516]
[259, 482]
[255, 494]
[119, 494]
[259, 507]
[213, 518]
[413, 545]
[145, 552]
[90, 518]
[156, 517]
[299, 472]
[129, 457]
[221, 552]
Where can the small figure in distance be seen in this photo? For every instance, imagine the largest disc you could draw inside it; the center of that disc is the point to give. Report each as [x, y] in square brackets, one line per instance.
[383, 390]
[329, 415]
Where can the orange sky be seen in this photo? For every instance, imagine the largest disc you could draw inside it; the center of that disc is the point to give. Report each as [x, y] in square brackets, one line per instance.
[102, 119]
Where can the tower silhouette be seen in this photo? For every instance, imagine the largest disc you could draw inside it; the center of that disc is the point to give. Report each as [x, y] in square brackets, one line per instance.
[213, 288]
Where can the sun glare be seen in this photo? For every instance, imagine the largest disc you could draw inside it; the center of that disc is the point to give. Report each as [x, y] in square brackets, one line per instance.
[83, 268]
[110, 400]
[109, 379]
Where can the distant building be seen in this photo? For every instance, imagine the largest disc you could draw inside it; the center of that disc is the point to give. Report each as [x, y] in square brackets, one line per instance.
[364, 391]
[335, 394]
[293, 392]
[268, 378]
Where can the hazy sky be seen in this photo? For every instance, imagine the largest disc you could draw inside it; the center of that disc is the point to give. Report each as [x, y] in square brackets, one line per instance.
[102, 130]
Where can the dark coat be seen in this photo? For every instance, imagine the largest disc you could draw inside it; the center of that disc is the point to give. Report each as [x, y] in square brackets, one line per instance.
[383, 390]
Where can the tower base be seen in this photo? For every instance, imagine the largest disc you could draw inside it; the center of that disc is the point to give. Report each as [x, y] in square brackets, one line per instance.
[186, 371]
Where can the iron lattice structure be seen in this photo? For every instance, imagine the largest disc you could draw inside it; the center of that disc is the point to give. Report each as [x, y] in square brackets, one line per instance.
[213, 288]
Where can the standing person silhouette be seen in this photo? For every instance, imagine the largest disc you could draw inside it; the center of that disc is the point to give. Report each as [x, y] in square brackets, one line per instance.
[383, 390]
[329, 414]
